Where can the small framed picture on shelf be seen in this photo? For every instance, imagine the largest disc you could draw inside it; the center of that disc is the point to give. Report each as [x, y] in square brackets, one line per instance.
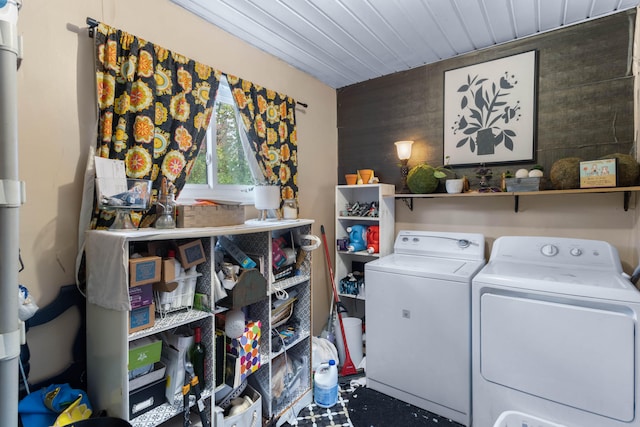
[598, 173]
[191, 253]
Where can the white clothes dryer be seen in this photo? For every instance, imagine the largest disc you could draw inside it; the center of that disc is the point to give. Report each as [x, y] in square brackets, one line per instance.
[555, 336]
[418, 320]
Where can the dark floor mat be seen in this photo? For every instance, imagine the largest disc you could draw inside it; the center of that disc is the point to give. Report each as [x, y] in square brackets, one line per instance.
[369, 408]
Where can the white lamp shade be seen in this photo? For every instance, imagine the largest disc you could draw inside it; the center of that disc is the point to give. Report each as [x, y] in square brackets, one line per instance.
[404, 149]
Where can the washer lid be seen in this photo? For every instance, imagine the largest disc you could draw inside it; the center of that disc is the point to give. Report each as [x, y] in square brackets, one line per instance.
[455, 269]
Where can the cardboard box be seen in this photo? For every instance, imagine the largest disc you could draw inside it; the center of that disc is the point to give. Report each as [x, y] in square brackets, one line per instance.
[156, 374]
[167, 281]
[190, 254]
[250, 288]
[146, 398]
[144, 270]
[140, 296]
[142, 318]
[144, 351]
[209, 216]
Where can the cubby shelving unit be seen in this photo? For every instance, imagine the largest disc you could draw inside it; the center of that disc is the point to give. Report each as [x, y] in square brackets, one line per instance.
[108, 334]
[383, 195]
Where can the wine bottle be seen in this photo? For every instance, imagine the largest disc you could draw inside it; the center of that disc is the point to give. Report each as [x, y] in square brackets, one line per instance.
[198, 354]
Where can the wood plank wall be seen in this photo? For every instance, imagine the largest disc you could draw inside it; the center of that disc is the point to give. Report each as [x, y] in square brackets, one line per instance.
[584, 103]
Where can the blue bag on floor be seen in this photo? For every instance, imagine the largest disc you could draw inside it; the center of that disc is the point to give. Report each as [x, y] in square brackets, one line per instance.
[41, 408]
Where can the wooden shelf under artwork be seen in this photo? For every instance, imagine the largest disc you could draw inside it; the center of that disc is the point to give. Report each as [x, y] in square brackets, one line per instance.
[408, 198]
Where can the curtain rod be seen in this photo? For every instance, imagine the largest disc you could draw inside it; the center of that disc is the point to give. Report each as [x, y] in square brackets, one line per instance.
[92, 23]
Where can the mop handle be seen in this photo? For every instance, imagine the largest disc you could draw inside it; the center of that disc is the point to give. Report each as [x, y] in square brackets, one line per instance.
[348, 368]
[326, 252]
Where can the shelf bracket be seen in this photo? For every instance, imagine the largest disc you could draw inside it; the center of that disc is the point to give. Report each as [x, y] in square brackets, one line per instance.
[516, 203]
[627, 196]
[408, 201]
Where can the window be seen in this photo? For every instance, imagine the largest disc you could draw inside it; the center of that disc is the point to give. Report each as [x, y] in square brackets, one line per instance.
[223, 168]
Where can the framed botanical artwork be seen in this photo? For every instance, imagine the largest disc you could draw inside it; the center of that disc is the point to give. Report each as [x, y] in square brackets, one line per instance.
[490, 111]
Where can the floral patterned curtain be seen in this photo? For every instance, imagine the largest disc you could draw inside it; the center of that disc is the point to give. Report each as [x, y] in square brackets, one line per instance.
[154, 110]
[269, 120]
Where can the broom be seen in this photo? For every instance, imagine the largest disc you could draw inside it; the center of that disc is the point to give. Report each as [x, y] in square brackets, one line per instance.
[348, 368]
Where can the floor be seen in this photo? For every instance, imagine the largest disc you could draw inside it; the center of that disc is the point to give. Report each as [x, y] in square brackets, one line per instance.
[363, 407]
[358, 407]
[179, 422]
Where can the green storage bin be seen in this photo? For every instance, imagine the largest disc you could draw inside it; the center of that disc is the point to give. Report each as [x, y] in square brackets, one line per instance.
[144, 351]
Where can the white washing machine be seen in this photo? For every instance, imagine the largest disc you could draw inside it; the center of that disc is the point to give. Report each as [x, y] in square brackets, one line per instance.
[555, 336]
[418, 312]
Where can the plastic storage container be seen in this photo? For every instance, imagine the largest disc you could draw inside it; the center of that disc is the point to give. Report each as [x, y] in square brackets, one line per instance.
[325, 385]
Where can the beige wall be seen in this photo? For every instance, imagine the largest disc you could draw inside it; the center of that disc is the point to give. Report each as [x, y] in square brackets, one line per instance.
[56, 110]
[584, 216]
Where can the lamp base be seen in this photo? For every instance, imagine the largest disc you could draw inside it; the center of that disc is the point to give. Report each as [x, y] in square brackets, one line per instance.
[404, 171]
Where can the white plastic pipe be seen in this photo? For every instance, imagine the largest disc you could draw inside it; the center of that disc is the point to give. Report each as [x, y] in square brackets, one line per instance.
[9, 213]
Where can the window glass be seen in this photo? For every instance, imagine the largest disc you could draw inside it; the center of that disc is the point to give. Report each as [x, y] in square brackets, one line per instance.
[222, 170]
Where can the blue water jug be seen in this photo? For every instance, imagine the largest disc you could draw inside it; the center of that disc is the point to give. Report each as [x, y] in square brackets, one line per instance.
[357, 238]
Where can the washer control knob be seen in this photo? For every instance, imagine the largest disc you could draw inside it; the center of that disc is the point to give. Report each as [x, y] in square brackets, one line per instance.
[405, 239]
[575, 251]
[416, 240]
[549, 250]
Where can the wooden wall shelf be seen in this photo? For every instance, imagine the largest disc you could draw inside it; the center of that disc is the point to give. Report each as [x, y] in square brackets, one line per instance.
[408, 198]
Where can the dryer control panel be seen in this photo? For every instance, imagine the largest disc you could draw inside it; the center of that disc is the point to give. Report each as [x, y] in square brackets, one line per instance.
[557, 251]
[468, 246]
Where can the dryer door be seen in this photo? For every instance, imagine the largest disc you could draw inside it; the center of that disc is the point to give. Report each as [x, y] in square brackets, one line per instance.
[563, 352]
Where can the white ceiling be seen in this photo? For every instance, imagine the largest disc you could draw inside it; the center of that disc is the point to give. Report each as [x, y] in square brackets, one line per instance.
[342, 42]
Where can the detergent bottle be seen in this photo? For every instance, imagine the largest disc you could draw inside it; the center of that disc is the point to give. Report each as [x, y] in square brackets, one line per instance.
[373, 239]
[325, 384]
[357, 238]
